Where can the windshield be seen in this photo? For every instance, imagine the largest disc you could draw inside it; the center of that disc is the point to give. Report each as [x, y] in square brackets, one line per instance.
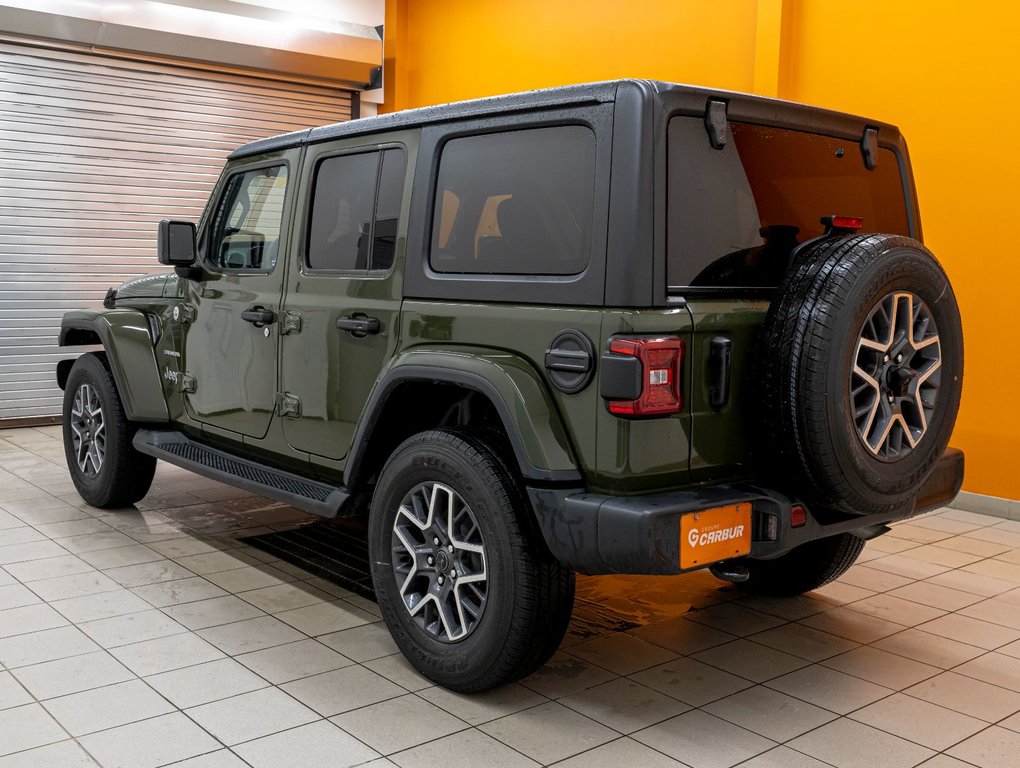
[735, 214]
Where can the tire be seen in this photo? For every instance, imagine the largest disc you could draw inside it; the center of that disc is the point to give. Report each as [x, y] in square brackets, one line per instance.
[105, 467]
[515, 617]
[807, 567]
[834, 434]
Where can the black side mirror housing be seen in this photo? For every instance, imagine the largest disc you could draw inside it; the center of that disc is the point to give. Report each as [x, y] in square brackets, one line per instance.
[176, 243]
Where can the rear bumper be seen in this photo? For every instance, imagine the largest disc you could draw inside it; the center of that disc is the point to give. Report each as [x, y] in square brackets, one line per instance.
[597, 534]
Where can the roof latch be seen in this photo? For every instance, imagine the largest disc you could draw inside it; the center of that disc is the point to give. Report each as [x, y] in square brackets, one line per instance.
[869, 148]
[716, 123]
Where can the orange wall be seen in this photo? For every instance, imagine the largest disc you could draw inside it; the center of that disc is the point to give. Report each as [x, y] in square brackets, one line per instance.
[930, 66]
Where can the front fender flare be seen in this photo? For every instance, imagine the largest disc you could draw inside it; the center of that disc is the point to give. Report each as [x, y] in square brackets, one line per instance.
[520, 397]
[127, 341]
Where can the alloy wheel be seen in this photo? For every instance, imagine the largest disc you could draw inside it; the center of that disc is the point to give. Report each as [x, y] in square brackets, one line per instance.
[88, 428]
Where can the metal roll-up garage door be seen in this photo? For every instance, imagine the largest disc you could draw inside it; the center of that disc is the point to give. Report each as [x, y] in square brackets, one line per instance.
[94, 150]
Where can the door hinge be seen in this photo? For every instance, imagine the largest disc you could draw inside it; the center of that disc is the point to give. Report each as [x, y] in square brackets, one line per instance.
[187, 382]
[184, 313]
[288, 404]
[291, 323]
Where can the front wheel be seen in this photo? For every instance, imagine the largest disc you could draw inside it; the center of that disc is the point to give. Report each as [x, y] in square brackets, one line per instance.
[105, 468]
[807, 567]
[470, 598]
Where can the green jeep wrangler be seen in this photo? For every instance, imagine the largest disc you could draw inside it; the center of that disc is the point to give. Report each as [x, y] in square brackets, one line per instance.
[626, 327]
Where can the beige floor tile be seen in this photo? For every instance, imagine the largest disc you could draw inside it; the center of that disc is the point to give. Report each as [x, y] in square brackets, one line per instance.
[691, 681]
[995, 568]
[992, 748]
[180, 591]
[829, 689]
[284, 663]
[974, 546]
[91, 542]
[971, 697]
[221, 758]
[399, 670]
[76, 585]
[1001, 610]
[891, 544]
[48, 568]
[927, 648]
[101, 708]
[619, 753]
[806, 642]
[27, 727]
[315, 744]
[30, 551]
[194, 545]
[946, 524]
[419, 722]
[751, 661]
[783, 757]
[622, 653]
[119, 557]
[995, 668]
[936, 596]
[63, 754]
[478, 708]
[682, 635]
[854, 745]
[284, 597]
[624, 705]
[932, 553]
[78, 673]
[873, 579]
[919, 721]
[735, 619]
[131, 628]
[704, 741]
[249, 578]
[549, 732]
[251, 635]
[769, 713]
[212, 612]
[213, 562]
[251, 715]
[896, 610]
[163, 654]
[332, 693]
[147, 573]
[150, 743]
[364, 643]
[471, 749]
[29, 618]
[972, 631]
[919, 533]
[102, 605]
[564, 674]
[203, 683]
[882, 667]
[905, 566]
[324, 618]
[12, 693]
[45, 645]
[788, 608]
[70, 528]
[944, 761]
[853, 625]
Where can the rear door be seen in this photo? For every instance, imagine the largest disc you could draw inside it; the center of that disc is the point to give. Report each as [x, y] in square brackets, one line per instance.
[230, 340]
[343, 289]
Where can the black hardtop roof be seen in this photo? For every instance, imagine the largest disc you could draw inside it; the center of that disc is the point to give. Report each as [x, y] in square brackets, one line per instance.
[761, 107]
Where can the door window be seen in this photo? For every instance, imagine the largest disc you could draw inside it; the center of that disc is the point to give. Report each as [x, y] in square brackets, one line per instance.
[355, 210]
[247, 224]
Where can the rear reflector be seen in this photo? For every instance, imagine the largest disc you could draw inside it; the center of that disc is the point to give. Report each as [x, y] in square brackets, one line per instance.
[661, 358]
[843, 222]
[798, 516]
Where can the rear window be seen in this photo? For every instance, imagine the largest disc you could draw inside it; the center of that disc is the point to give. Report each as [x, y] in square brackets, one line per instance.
[736, 214]
[515, 203]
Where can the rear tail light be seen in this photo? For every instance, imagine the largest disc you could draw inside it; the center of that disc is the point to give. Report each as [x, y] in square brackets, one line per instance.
[798, 516]
[660, 359]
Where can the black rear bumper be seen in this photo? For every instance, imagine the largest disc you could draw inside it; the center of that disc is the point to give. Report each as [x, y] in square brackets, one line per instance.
[597, 534]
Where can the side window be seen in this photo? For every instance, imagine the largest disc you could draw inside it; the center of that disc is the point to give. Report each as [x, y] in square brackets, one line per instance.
[246, 227]
[518, 202]
[355, 210]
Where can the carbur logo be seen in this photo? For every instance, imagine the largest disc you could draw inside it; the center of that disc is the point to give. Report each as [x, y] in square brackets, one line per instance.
[697, 538]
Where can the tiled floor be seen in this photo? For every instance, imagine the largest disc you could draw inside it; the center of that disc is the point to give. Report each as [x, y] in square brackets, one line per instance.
[154, 636]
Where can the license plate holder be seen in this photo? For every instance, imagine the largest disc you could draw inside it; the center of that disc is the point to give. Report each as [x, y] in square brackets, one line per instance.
[711, 535]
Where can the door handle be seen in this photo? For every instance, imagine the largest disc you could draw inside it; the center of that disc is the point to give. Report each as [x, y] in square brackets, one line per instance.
[258, 316]
[359, 325]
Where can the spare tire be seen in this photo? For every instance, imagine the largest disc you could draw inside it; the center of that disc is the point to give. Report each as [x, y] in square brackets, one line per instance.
[860, 367]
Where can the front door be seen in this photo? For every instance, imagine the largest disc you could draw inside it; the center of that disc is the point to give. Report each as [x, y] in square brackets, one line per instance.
[343, 294]
[230, 344]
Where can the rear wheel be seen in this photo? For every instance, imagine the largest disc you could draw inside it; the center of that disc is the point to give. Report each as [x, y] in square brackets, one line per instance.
[807, 567]
[104, 466]
[471, 599]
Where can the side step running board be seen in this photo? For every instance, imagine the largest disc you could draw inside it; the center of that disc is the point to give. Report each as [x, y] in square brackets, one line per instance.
[177, 448]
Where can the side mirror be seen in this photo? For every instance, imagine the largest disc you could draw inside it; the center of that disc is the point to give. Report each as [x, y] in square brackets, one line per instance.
[176, 243]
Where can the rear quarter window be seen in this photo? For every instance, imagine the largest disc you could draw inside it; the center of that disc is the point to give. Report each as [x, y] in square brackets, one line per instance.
[735, 214]
[518, 203]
